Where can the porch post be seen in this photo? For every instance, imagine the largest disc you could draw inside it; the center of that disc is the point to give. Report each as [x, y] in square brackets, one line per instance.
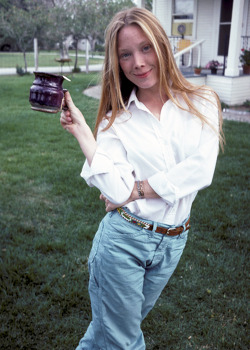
[232, 69]
[141, 3]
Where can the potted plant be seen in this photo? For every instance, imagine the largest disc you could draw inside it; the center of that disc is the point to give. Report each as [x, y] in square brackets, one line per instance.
[213, 65]
[245, 60]
[197, 70]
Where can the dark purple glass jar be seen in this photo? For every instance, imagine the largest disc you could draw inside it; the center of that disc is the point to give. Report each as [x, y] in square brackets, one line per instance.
[46, 93]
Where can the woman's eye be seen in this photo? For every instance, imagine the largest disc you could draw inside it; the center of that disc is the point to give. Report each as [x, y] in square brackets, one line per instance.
[146, 48]
[125, 55]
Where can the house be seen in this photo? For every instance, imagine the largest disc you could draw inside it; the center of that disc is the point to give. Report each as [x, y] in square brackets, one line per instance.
[210, 30]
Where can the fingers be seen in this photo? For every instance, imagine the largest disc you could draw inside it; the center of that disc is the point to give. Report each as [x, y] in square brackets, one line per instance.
[109, 206]
[102, 198]
[107, 202]
[65, 119]
[68, 100]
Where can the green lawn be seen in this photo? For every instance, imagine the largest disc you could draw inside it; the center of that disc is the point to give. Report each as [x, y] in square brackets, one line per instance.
[49, 217]
[45, 59]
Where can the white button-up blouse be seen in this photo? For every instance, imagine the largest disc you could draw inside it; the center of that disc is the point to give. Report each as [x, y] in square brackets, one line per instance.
[176, 154]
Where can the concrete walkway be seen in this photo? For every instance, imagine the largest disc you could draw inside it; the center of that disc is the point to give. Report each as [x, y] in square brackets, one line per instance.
[228, 114]
[59, 69]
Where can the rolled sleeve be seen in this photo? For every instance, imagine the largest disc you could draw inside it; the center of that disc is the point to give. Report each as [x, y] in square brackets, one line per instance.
[110, 171]
[101, 164]
[163, 187]
[196, 171]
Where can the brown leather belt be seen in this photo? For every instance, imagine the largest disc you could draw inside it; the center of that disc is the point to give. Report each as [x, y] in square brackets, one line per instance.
[174, 231]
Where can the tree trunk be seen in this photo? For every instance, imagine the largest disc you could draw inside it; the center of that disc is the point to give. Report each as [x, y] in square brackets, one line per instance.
[92, 43]
[87, 56]
[76, 57]
[63, 51]
[25, 62]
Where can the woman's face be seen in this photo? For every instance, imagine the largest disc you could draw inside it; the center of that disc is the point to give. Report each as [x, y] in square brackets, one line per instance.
[137, 58]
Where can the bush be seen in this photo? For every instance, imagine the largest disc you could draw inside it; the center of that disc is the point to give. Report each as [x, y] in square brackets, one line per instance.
[76, 70]
[224, 105]
[19, 70]
[246, 103]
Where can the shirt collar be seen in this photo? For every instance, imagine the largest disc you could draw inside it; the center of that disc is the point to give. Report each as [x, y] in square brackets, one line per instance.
[132, 98]
[139, 105]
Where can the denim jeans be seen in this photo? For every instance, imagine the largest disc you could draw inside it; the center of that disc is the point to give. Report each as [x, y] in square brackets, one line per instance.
[129, 266]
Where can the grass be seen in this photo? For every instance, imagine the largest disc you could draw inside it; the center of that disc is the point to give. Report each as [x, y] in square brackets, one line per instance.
[46, 59]
[49, 217]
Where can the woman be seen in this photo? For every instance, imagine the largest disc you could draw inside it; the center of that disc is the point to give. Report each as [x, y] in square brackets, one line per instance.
[156, 146]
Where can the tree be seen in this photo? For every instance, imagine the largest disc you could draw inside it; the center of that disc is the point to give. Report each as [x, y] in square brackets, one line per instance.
[89, 19]
[100, 14]
[6, 4]
[78, 10]
[58, 29]
[23, 24]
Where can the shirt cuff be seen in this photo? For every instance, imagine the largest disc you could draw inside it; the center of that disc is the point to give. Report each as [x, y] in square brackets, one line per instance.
[161, 185]
[101, 164]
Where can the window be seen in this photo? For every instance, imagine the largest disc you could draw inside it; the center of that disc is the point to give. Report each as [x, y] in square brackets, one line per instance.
[183, 17]
[225, 26]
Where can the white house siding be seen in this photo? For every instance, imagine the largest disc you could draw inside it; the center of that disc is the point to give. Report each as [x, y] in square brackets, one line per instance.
[208, 14]
[162, 9]
[201, 80]
[207, 24]
[233, 90]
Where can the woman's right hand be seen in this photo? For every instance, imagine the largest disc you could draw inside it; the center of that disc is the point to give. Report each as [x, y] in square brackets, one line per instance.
[71, 119]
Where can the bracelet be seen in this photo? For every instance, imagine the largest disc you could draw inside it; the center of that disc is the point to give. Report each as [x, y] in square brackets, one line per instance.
[140, 189]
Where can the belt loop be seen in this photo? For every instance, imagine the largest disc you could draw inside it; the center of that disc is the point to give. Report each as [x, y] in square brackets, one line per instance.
[155, 224]
[184, 230]
[184, 223]
[185, 226]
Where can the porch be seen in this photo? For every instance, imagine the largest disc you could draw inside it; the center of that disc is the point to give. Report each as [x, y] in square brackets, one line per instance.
[231, 90]
[213, 30]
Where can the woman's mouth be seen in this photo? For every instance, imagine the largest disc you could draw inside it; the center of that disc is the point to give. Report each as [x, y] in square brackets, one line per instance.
[143, 75]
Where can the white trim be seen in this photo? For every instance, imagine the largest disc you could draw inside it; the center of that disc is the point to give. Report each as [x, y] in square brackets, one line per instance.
[216, 28]
[194, 20]
[169, 26]
[153, 7]
[189, 49]
[234, 42]
[194, 36]
[245, 17]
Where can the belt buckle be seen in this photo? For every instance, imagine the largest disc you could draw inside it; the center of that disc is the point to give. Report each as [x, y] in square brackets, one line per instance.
[170, 229]
[146, 225]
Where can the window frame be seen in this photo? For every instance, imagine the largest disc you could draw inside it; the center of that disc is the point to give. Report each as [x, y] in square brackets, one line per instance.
[194, 20]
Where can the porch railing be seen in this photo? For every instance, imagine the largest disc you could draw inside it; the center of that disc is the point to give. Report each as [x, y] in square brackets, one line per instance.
[174, 40]
[189, 49]
[245, 42]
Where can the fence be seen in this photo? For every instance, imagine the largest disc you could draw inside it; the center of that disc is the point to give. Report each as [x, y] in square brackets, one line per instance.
[48, 60]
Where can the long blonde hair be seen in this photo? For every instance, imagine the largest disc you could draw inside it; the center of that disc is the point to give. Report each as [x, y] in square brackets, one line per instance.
[116, 88]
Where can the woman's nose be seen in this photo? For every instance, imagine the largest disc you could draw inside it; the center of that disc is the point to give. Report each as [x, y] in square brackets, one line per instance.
[138, 60]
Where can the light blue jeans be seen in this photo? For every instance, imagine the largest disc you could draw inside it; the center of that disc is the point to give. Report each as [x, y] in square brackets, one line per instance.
[129, 266]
